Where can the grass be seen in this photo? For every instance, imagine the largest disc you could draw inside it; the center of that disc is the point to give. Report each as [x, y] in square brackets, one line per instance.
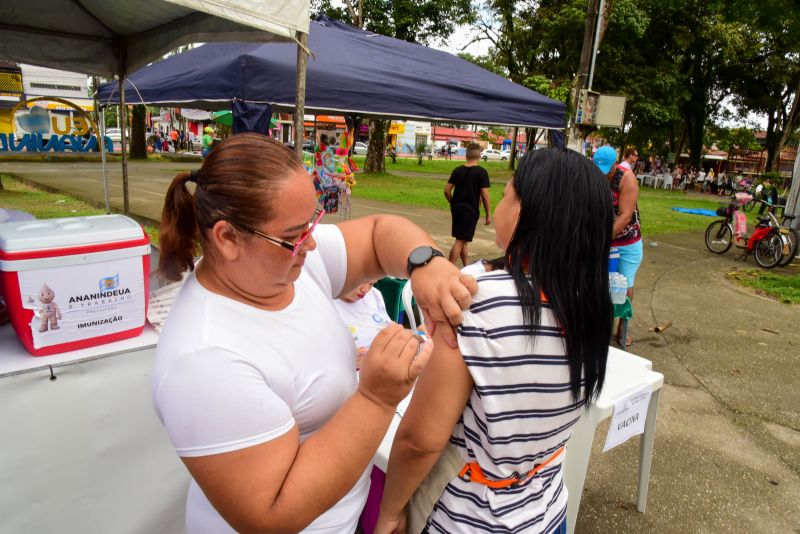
[16, 195]
[498, 170]
[655, 205]
[784, 288]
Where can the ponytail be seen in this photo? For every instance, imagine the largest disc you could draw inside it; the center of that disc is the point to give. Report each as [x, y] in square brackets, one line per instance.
[178, 229]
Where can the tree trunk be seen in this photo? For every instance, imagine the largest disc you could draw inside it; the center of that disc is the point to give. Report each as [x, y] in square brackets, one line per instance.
[530, 139]
[770, 140]
[790, 125]
[377, 146]
[513, 159]
[681, 142]
[138, 148]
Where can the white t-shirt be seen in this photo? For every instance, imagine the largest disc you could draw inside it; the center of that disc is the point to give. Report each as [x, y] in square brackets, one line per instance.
[624, 165]
[364, 317]
[229, 376]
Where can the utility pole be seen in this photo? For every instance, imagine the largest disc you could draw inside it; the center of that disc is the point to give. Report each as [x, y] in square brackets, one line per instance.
[574, 134]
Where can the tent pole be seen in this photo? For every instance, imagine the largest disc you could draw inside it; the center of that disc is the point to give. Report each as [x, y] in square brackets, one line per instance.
[123, 109]
[102, 141]
[300, 93]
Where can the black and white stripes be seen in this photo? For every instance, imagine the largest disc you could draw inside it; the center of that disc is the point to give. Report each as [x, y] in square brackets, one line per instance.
[519, 413]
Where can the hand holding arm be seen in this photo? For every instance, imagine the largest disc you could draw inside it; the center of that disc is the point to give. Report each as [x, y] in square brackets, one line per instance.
[379, 245]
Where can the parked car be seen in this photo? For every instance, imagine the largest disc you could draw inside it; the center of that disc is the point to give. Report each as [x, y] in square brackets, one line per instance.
[491, 153]
[115, 134]
[360, 149]
[505, 155]
[308, 145]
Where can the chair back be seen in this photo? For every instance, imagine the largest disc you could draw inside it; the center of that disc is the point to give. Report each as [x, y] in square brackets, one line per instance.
[409, 304]
[391, 289]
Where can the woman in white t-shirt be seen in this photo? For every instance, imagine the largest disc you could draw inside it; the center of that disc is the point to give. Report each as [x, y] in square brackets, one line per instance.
[253, 378]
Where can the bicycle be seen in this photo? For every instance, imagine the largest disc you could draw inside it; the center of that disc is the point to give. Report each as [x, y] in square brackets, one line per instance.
[779, 245]
[767, 243]
[788, 234]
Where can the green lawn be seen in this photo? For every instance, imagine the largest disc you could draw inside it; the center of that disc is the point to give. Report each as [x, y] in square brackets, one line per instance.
[498, 170]
[655, 206]
[784, 288]
[16, 195]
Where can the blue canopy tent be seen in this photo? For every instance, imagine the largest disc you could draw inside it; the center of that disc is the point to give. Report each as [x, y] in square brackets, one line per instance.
[352, 72]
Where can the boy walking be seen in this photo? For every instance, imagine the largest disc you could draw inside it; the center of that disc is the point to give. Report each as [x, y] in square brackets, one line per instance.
[468, 184]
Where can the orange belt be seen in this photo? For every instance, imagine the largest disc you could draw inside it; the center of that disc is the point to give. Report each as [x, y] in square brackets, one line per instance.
[472, 472]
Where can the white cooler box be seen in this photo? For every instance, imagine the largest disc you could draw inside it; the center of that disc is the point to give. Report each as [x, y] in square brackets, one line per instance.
[74, 282]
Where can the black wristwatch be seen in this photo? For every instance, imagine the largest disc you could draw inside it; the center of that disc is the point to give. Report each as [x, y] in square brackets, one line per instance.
[421, 256]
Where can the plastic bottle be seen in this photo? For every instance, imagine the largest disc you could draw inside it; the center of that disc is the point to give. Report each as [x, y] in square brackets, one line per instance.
[618, 286]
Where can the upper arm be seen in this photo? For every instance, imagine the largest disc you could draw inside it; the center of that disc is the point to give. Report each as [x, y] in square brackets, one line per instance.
[235, 435]
[628, 193]
[444, 384]
[448, 188]
[243, 485]
[362, 260]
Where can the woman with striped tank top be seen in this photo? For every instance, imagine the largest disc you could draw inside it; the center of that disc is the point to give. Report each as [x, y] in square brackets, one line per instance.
[531, 353]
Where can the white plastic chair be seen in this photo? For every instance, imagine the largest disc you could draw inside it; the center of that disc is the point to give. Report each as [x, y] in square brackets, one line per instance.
[406, 297]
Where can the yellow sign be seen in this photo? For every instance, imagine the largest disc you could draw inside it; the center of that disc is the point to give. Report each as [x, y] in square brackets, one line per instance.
[397, 128]
[37, 118]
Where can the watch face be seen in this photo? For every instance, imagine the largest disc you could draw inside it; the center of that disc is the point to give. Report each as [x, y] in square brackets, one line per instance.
[420, 255]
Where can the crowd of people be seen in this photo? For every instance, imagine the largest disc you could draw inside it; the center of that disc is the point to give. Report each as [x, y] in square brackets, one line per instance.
[174, 140]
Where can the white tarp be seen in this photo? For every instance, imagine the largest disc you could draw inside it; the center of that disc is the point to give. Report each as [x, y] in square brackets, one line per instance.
[108, 38]
[86, 452]
[196, 114]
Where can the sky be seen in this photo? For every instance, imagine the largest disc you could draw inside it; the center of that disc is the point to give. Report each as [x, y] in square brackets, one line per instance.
[460, 38]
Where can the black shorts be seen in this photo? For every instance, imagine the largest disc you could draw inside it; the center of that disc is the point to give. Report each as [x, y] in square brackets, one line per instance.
[464, 223]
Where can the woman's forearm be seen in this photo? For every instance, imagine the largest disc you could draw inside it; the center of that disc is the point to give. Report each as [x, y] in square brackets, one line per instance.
[330, 462]
[394, 238]
[408, 467]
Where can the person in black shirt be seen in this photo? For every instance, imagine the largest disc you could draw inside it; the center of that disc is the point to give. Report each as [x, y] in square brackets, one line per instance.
[468, 184]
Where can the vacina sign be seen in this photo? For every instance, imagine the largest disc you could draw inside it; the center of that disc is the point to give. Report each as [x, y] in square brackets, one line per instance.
[46, 132]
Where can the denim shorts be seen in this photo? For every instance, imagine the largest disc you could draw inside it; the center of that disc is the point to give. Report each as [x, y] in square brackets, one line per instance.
[630, 258]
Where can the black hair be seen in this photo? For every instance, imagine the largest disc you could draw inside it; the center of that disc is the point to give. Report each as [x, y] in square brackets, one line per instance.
[560, 248]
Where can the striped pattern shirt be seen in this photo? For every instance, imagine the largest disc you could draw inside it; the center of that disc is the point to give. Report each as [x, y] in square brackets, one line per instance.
[519, 413]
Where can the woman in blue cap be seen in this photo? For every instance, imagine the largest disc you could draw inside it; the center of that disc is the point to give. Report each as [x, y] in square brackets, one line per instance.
[627, 225]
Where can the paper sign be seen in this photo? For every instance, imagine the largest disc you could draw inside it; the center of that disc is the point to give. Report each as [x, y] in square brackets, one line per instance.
[73, 303]
[629, 417]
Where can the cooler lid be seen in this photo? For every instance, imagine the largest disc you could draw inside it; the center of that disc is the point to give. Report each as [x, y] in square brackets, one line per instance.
[67, 232]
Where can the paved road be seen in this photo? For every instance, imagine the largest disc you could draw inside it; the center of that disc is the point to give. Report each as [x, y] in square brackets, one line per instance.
[727, 453]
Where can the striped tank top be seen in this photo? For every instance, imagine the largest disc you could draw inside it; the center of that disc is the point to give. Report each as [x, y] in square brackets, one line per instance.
[519, 413]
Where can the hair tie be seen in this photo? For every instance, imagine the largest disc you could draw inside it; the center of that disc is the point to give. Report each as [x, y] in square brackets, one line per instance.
[192, 176]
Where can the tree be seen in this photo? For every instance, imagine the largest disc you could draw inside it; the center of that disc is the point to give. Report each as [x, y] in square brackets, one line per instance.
[138, 145]
[769, 83]
[415, 21]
